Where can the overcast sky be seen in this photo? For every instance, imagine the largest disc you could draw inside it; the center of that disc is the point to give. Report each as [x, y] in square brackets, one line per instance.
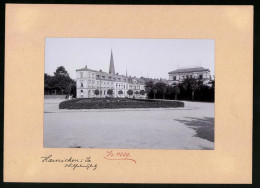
[141, 57]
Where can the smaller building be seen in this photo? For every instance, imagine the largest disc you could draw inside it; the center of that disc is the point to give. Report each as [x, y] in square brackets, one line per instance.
[179, 75]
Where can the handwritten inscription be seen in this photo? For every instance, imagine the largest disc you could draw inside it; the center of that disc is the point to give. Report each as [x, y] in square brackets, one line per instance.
[118, 155]
[71, 162]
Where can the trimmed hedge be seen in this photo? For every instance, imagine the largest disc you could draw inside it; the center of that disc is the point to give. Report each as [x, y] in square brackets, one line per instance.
[115, 103]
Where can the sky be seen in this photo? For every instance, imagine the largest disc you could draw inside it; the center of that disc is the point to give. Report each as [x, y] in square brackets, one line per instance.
[152, 58]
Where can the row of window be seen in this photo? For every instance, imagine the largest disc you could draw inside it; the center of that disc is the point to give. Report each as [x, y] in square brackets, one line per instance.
[90, 75]
[110, 78]
[92, 86]
[134, 87]
[187, 76]
[102, 92]
[120, 86]
[123, 86]
[104, 83]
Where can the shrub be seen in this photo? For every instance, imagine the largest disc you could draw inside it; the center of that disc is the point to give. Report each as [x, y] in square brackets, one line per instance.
[96, 92]
[142, 92]
[114, 103]
[110, 92]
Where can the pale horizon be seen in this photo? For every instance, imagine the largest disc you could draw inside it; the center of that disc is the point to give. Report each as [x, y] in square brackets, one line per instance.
[152, 58]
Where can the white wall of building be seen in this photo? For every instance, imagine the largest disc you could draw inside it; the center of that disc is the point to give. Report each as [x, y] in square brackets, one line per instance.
[87, 84]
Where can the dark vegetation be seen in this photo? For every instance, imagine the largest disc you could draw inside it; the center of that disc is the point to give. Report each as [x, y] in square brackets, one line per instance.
[190, 89]
[60, 83]
[114, 103]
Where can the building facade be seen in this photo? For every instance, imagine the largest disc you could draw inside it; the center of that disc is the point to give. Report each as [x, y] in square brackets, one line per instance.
[88, 81]
[179, 75]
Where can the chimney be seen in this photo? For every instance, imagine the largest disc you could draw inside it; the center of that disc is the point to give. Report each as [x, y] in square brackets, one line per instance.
[86, 66]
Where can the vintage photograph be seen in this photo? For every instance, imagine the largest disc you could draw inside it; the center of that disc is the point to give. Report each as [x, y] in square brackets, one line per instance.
[129, 93]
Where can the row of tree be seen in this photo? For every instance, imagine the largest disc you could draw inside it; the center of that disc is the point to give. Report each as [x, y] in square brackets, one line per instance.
[190, 89]
[60, 83]
[120, 92]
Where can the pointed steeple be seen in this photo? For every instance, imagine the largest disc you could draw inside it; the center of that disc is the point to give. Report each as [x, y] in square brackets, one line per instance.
[111, 66]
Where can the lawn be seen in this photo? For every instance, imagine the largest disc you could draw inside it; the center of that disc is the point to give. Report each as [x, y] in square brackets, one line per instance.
[115, 103]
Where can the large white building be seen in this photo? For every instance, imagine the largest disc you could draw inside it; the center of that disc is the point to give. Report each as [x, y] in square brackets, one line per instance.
[179, 75]
[90, 80]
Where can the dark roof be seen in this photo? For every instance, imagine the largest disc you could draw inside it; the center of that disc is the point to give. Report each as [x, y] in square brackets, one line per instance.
[110, 76]
[186, 70]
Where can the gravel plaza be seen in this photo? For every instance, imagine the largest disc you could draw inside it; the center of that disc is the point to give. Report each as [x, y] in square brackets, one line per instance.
[188, 128]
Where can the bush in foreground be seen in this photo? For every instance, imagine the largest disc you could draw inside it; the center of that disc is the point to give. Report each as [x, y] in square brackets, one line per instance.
[117, 103]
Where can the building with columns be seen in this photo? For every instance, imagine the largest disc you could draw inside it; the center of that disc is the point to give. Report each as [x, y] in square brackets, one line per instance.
[179, 75]
[89, 80]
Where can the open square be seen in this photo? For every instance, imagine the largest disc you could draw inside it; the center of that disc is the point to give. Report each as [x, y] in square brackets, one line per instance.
[153, 128]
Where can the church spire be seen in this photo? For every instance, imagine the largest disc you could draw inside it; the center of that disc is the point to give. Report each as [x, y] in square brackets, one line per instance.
[111, 67]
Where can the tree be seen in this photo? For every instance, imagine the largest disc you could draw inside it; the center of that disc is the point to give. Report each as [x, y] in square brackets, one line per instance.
[176, 91]
[110, 92]
[61, 80]
[142, 92]
[96, 92]
[61, 71]
[47, 83]
[154, 92]
[68, 88]
[130, 92]
[136, 92]
[164, 91]
[73, 90]
[194, 87]
[161, 88]
[212, 90]
[148, 87]
[192, 84]
[212, 84]
[120, 92]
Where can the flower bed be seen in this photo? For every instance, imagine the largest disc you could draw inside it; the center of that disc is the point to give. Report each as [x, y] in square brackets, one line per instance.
[115, 103]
